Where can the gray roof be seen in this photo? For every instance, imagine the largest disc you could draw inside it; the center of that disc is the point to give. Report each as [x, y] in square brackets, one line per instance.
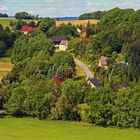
[96, 82]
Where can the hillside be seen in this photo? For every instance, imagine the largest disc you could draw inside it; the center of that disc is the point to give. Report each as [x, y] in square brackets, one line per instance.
[94, 15]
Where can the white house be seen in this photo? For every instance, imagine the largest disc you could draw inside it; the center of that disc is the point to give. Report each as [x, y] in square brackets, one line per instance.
[63, 46]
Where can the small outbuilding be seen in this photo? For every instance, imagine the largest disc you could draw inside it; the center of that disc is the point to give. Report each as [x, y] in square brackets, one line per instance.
[103, 62]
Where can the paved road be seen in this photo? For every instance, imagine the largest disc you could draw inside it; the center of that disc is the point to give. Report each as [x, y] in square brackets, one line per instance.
[85, 68]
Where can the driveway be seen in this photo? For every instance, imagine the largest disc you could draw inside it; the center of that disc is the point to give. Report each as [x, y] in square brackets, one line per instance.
[85, 68]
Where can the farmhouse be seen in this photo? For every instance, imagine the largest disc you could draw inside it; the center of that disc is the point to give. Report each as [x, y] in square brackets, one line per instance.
[103, 62]
[26, 29]
[63, 46]
[94, 83]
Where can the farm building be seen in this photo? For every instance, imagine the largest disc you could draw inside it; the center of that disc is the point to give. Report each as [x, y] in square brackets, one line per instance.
[26, 29]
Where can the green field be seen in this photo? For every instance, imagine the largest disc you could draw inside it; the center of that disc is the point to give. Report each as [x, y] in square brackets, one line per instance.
[6, 21]
[33, 129]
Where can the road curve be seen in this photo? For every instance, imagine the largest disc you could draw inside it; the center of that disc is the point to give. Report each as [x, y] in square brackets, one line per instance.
[85, 68]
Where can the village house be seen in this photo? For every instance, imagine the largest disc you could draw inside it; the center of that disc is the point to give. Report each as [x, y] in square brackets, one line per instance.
[27, 28]
[61, 42]
[94, 83]
[63, 46]
[103, 62]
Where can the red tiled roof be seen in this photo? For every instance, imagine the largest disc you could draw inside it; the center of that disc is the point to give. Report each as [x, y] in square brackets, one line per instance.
[28, 28]
[57, 80]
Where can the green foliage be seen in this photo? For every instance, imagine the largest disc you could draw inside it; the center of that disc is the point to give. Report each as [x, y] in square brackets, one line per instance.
[30, 45]
[89, 30]
[2, 48]
[77, 46]
[63, 30]
[41, 98]
[133, 59]
[36, 65]
[46, 23]
[7, 38]
[101, 104]
[73, 94]
[2, 98]
[3, 15]
[126, 112]
[25, 15]
[15, 103]
[116, 16]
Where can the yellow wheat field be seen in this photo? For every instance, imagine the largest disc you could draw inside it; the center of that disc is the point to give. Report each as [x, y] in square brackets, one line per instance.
[77, 22]
[5, 66]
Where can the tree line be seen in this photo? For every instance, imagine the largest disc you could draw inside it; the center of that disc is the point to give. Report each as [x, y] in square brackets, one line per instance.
[94, 15]
[3, 15]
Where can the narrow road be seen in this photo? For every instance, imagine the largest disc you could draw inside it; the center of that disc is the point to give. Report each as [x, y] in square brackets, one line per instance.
[85, 68]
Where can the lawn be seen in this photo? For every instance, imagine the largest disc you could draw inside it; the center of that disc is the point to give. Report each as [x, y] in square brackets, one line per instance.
[33, 129]
[5, 66]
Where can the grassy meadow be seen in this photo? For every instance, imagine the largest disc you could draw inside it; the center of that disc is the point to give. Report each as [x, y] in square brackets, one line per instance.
[5, 66]
[33, 129]
[5, 21]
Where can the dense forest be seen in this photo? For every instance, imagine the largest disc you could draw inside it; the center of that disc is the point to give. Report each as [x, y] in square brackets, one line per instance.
[30, 88]
[94, 15]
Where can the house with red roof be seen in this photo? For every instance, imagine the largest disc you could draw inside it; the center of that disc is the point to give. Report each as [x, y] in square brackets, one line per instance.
[57, 80]
[27, 28]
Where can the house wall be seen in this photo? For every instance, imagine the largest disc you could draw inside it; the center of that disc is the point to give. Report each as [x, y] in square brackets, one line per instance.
[62, 48]
[92, 86]
[101, 65]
